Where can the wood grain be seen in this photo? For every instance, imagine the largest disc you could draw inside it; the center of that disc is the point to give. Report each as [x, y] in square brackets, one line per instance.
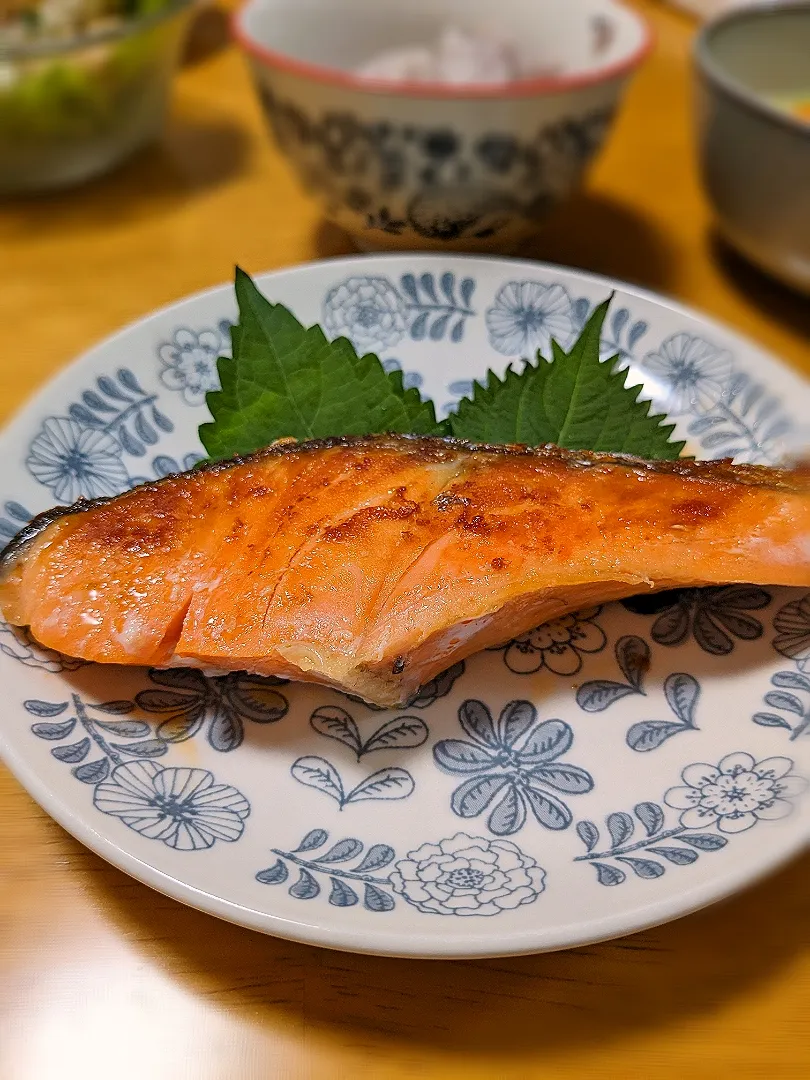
[102, 977]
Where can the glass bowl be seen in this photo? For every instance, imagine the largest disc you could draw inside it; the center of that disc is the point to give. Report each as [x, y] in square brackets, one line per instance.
[72, 109]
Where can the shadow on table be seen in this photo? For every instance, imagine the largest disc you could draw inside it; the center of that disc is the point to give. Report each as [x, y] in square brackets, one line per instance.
[196, 154]
[776, 301]
[604, 237]
[587, 996]
[590, 232]
[208, 34]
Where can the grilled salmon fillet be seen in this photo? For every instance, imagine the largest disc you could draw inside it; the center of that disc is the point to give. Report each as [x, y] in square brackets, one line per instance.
[372, 563]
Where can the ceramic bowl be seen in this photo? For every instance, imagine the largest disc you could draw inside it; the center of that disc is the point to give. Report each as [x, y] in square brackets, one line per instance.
[71, 109]
[410, 165]
[754, 155]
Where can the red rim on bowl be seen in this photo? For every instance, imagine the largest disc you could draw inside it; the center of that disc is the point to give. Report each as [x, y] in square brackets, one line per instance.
[518, 88]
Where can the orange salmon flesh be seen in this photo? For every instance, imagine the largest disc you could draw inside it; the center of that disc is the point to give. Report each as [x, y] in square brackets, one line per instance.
[371, 564]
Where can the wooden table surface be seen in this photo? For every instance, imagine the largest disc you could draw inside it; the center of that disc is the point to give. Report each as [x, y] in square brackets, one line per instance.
[102, 978]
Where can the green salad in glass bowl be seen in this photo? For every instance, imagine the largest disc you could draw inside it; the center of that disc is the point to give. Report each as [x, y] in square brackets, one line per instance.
[83, 84]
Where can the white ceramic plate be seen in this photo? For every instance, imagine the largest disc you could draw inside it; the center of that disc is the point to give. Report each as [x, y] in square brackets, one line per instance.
[675, 737]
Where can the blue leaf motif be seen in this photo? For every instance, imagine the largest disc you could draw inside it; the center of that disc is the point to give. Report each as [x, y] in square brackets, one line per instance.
[439, 326]
[462, 387]
[144, 430]
[515, 721]
[567, 778]
[466, 289]
[770, 720]
[678, 856]
[94, 402]
[125, 729]
[342, 851]
[458, 756]
[509, 815]
[44, 708]
[108, 387]
[342, 894]
[682, 692]
[273, 875]
[316, 772]
[401, 733]
[73, 753]
[457, 332]
[621, 828]
[83, 416]
[377, 856]
[149, 748]
[548, 810]
[546, 742]
[791, 679]
[92, 772]
[16, 511]
[408, 283]
[130, 444]
[429, 288]
[650, 815]
[336, 723]
[306, 888]
[637, 331]
[643, 868]
[704, 841]
[608, 875]
[116, 708]
[53, 732]
[314, 839]
[650, 734]
[419, 326]
[389, 783]
[600, 694]
[777, 699]
[620, 317]
[476, 720]
[225, 732]
[448, 286]
[127, 379]
[375, 899]
[633, 656]
[588, 834]
[161, 421]
[474, 796]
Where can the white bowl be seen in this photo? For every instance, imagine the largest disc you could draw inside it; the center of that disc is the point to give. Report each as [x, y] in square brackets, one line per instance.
[755, 157]
[404, 165]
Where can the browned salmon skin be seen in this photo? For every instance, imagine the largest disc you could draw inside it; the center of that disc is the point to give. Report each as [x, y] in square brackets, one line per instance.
[373, 563]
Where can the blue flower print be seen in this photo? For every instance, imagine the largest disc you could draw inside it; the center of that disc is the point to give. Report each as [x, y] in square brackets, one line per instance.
[525, 317]
[367, 310]
[736, 793]
[182, 807]
[467, 875]
[557, 645]
[693, 374]
[76, 461]
[512, 763]
[188, 700]
[190, 363]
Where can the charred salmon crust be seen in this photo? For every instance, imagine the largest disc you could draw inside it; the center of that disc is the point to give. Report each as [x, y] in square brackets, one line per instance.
[371, 563]
[433, 446]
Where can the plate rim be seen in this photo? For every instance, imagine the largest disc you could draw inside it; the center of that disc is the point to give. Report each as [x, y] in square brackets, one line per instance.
[460, 945]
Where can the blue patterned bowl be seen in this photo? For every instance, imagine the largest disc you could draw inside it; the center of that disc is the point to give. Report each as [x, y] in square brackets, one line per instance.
[406, 165]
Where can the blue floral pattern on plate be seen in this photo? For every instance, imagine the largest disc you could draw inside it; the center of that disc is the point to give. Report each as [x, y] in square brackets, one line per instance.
[622, 737]
[462, 875]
